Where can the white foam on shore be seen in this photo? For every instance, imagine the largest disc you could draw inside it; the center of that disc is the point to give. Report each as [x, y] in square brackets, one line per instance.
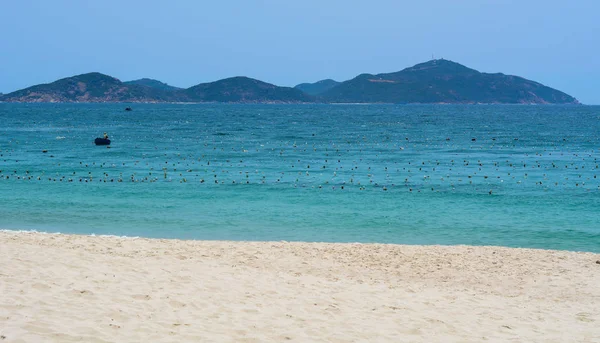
[33, 231]
[60, 233]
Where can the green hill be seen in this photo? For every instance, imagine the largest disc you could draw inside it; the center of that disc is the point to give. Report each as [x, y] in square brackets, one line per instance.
[244, 89]
[90, 87]
[96, 87]
[443, 81]
[318, 87]
[153, 84]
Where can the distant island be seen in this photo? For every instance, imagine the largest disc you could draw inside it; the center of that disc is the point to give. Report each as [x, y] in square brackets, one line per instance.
[432, 82]
[318, 87]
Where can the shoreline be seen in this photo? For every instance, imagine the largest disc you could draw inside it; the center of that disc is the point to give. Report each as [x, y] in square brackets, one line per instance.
[276, 102]
[299, 103]
[61, 287]
[125, 237]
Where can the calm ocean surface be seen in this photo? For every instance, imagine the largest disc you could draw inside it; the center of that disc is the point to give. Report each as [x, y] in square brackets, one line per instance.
[335, 173]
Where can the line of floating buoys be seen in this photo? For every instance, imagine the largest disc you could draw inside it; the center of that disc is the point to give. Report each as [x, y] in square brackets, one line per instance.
[424, 172]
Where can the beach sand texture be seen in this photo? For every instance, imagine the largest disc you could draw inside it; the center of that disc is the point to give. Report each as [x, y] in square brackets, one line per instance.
[68, 288]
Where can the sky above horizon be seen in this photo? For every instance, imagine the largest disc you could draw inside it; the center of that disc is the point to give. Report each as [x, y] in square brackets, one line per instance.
[187, 42]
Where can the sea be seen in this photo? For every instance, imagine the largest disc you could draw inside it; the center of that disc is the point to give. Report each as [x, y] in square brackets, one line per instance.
[505, 175]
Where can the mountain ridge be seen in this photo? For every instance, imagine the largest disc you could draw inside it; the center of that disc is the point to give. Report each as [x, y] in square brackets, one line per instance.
[434, 81]
[235, 89]
[152, 83]
[88, 87]
[444, 81]
[318, 87]
[96, 87]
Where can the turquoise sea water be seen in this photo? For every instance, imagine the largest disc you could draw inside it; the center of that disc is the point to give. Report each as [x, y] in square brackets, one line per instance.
[523, 176]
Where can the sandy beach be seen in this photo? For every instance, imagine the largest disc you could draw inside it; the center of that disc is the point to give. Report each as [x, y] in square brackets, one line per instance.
[67, 288]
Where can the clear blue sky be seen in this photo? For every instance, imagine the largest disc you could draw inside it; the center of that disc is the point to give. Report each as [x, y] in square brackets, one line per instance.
[185, 42]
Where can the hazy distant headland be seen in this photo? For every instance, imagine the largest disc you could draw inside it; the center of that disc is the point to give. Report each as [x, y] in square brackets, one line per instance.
[432, 82]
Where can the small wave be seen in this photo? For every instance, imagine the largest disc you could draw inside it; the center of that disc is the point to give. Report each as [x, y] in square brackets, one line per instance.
[60, 137]
[17, 232]
[27, 231]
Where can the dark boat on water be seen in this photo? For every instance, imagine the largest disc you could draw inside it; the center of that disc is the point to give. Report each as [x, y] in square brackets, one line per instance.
[102, 141]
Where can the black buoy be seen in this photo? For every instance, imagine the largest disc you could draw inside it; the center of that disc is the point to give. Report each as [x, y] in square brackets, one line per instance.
[102, 141]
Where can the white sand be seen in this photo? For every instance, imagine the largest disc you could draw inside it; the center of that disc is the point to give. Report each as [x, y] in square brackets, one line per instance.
[63, 288]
